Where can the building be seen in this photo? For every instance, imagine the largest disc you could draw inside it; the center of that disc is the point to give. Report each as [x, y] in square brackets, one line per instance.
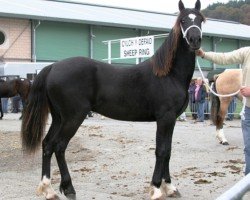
[35, 33]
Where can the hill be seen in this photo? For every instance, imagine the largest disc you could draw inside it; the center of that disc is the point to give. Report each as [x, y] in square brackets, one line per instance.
[238, 11]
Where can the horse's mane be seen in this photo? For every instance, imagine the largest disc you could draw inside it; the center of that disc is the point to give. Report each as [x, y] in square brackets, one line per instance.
[163, 58]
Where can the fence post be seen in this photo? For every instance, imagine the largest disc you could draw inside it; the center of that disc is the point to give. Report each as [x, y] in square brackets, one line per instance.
[137, 61]
[109, 52]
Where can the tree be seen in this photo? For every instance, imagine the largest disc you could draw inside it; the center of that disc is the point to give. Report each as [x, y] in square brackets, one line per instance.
[238, 11]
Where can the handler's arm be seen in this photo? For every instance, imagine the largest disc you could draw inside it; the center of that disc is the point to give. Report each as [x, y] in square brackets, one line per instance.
[233, 57]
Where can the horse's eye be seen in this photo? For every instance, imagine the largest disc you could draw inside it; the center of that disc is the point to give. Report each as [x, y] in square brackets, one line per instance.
[183, 21]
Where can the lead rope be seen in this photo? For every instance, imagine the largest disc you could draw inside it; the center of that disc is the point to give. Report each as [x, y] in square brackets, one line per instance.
[242, 113]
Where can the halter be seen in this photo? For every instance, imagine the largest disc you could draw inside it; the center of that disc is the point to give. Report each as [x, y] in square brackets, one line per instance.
[185, 32]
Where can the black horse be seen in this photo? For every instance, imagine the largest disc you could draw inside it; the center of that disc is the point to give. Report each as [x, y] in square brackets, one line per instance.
[155, 90]
[11, 88]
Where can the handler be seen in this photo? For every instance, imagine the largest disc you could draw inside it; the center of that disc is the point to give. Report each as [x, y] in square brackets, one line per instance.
[240, 56]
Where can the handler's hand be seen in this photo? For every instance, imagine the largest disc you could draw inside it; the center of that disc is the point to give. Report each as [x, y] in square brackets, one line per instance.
[200, 53]
[245, 91]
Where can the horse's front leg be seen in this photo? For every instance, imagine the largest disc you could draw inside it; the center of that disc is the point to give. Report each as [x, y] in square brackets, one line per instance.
[167, 187]
[163, 152]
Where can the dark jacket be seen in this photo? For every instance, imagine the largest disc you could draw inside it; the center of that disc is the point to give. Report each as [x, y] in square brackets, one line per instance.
[191, 92]
[201, 94]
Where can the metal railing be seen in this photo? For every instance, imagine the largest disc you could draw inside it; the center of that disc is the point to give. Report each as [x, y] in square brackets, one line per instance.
[238, 191]
[234, 108]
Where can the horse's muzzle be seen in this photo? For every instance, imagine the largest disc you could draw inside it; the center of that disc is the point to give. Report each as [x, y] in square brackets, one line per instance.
[194, 42]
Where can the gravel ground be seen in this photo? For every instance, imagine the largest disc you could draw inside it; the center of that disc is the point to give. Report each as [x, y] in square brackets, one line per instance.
[111, 159]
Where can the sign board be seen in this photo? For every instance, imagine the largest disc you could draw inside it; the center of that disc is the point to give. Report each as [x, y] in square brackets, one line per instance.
[137, 47]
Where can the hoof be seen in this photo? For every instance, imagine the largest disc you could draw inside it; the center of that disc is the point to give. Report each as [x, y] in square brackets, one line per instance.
[175, 194]
[69, 192]
[71, 196]
[225, 143]
[170, 190]
[45, 189]
[54, 197]
[155, 193]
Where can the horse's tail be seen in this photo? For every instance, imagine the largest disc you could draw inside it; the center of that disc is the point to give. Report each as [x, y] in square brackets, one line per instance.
[35, 113]
[215, 107]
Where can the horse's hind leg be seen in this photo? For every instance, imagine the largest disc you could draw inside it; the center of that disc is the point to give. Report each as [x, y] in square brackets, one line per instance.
[56, 141]
[45, 187]
[69, 128]
[24, 104]
[224, 103]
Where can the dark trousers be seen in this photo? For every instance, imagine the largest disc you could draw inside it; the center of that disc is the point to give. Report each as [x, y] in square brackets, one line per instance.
[200, 111]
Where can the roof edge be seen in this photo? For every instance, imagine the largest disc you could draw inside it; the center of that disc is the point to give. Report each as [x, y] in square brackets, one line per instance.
[110, 6]
[133, 9]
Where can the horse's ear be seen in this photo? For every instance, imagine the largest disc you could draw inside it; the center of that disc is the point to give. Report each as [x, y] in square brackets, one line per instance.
[181, 6]
[198, 5]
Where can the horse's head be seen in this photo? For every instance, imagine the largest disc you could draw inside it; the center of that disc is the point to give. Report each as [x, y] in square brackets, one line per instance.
[190, 21]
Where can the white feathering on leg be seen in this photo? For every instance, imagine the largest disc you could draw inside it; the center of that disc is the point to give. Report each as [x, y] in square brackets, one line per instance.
[220, 136]
[170, 189]
[157, 193]
[46, 189]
